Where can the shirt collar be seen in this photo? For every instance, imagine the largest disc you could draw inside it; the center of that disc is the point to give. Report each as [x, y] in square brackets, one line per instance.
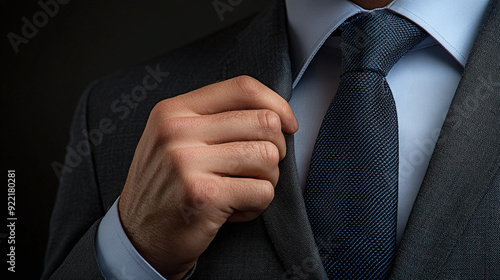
[454, 24]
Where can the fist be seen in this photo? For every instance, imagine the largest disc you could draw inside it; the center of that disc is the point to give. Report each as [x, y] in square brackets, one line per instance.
[206, 157]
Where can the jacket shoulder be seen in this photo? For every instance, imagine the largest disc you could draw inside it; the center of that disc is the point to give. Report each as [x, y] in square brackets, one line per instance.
[119, 104]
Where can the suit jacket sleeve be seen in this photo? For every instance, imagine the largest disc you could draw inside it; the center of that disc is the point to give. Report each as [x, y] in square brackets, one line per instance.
[78, 208]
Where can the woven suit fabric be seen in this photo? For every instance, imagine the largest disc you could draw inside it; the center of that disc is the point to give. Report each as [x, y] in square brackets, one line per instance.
[351, 193]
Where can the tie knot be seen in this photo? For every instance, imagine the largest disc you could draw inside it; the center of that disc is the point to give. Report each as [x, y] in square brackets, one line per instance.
[376, 41]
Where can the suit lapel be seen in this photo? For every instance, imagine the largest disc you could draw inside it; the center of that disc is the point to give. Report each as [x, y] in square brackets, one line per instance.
[262, 52]
[463, 165]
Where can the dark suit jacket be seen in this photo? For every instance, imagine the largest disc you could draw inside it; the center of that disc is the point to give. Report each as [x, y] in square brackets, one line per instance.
[454, 228]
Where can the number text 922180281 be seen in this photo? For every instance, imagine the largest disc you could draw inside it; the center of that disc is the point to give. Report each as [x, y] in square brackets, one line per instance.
[11, 219]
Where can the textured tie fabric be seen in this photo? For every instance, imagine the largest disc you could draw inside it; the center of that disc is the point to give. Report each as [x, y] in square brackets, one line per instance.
[352, 185]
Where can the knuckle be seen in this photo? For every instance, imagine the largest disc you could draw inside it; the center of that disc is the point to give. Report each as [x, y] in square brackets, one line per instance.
[179, 159]
[266, 193]
[200, 192]
[157, 110]
[170, 130]
[173, 126]
[275, 175]
[269, 152]
[269, 120]
[247, 84]
[162, 108]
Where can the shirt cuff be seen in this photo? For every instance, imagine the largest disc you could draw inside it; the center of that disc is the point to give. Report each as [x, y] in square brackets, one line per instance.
[116, 255]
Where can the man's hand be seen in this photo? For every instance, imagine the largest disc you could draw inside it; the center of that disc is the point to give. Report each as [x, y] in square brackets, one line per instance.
[205, 157]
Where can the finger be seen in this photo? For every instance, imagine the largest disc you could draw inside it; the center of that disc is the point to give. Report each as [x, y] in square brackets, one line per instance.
[240, 93]
[246, 198]
[251, 159]
[225, 127]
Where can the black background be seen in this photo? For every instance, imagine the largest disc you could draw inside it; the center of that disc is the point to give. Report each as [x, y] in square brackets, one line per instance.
[40, 86]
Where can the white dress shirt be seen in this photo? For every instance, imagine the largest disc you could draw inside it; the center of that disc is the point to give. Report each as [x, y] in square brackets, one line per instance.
[423, 84]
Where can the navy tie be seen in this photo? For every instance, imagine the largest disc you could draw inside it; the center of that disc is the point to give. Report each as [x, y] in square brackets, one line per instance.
[352, 186]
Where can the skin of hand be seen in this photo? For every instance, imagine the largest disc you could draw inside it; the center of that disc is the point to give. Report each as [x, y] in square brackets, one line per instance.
[206, 157]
